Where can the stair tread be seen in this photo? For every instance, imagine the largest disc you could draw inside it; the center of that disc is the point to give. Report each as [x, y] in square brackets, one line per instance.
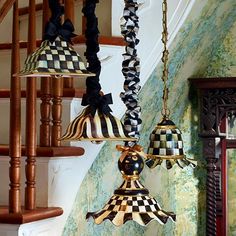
[27, 216]
[80, 39]
[67, 93]
[62, 151]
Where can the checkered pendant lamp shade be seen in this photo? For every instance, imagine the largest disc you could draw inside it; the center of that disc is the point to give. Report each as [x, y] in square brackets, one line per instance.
[57, 58]
[97, 127]
[166, 145]
[131, 201]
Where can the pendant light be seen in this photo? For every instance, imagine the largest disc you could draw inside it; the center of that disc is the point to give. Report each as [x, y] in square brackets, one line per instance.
[166, 144]
[55, 56]
[95, 123]
[131, 201]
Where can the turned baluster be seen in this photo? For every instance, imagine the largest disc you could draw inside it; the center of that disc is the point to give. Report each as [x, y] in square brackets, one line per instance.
[30, 190]
[45, 106]
[15, 119]
[69, 14]
[57, 90]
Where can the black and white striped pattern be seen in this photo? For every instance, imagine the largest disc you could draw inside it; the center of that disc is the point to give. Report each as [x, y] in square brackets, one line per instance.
[131, 184]
[99, 127]
[56, 58]
[140, 208]
[131, 69]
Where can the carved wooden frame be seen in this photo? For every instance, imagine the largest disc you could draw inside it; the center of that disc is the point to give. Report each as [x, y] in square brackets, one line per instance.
[217, 97]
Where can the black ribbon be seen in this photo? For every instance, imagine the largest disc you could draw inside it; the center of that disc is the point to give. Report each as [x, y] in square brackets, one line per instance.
[65, 31]
[98, 102]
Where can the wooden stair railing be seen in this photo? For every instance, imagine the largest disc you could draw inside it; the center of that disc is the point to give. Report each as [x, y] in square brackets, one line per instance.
[5, 9]
[80, 39]
[50, 111]
[14, 213]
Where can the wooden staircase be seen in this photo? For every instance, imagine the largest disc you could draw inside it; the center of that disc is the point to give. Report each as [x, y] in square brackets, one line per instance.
[50, 112]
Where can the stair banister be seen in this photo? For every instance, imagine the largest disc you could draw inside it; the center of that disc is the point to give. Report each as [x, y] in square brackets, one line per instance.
[5, 9]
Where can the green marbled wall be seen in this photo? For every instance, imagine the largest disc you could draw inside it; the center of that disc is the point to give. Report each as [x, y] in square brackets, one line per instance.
[205, 46]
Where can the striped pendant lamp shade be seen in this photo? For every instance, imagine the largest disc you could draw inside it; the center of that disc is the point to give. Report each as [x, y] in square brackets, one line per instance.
[57, 58]
[97, 127]
[166, 145]
[131, 201]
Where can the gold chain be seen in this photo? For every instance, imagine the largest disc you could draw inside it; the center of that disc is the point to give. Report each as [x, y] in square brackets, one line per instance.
[165, 54]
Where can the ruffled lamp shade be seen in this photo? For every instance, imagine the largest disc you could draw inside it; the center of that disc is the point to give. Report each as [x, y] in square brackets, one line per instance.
[166, 145]
[57, 58]
[95, 126]
[131, 201]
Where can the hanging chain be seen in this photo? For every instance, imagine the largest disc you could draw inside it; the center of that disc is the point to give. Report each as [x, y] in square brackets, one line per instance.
[165, 54]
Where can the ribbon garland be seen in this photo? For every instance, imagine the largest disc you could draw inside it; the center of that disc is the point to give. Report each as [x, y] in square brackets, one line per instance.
[93, 96]
[131, 70]
[55, 28]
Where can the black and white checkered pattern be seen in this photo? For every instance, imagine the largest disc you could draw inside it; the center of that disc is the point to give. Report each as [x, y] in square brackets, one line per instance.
[166, 142]
[140, 208]
[56, 58]
[166, 146]
[131, 69]
[99, 127]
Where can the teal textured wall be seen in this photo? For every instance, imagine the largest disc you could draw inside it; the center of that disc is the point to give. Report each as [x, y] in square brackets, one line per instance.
[205, 46]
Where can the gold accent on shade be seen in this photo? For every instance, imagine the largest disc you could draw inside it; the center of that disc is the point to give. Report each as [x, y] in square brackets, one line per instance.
[166, 157]
[165, 127]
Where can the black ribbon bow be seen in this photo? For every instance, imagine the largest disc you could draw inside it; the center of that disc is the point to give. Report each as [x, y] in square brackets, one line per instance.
[65, 31]
[98, 102]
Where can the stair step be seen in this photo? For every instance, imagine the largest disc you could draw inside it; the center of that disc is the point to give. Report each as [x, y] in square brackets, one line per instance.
[61, 151]
[67, 93]
[27, 216]
[80, 39]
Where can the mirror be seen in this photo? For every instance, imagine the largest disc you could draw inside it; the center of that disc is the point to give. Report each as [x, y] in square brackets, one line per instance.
[231, 125]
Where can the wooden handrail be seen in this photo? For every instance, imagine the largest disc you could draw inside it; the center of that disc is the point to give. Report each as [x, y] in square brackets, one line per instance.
[39, 7]
[31, 142]
[15, 120]
[5, 9]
